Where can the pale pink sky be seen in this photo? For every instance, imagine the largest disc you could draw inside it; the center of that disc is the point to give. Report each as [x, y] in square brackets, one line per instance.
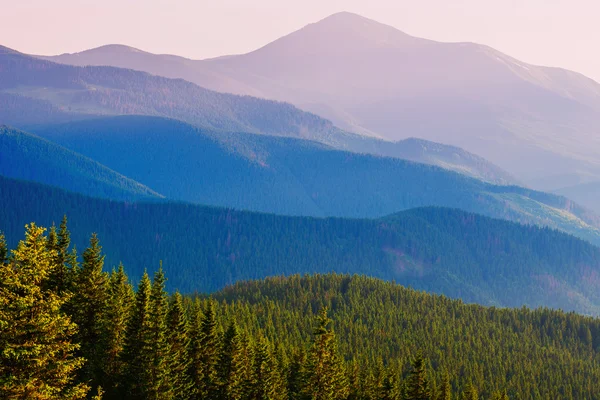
[563, 33]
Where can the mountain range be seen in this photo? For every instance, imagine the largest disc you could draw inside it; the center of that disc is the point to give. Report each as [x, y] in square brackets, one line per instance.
[36, 92]
[297, 177]
[538, 123]
[446, 251]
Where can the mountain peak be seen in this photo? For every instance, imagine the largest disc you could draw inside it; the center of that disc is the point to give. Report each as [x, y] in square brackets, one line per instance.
[109, 49]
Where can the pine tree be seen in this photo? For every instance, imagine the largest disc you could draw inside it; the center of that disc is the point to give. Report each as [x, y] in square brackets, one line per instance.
[157, 346]
[224, 365]
[37, 359]
[417, 385]
[296, 375]
[267, 380]
[209, 347]
[445, 389]
[241, 379]
[135, 353]
[114, 329]
[179, 342]
[89, 305]
[325, 375]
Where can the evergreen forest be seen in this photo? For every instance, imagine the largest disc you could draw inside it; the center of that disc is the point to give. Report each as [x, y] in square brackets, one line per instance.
[71, 330]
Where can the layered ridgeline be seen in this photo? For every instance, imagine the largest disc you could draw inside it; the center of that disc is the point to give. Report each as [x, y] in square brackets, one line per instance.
[28, 157]
[538, 123]
[270, 339]
[33, 91]
[297, 177]
[453, 252]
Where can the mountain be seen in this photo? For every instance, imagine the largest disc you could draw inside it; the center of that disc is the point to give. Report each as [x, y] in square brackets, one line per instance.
[36, 92]
[586, 194]
[28, 157]
[79, 92]
[297, 177]
[446, 251]
[538, 123]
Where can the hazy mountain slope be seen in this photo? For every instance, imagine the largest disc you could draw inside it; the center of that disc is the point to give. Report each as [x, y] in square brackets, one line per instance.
[114, 91]
[448, 157]
[439, 250]
[586, 194]
[538, 123]
[25, 156]
[297, 177]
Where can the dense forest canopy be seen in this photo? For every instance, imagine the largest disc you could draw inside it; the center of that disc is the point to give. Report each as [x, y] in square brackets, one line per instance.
[70, 329]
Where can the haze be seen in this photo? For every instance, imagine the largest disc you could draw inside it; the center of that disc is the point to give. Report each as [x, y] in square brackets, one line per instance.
[545, 32]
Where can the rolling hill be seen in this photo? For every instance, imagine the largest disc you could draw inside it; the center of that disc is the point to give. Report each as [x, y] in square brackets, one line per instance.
[34, 92]
[297, 177]
[446, 251]
[538, 123]
[28, 157]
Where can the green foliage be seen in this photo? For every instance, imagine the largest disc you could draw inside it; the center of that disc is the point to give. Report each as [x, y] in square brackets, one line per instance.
[390, 342]
[37, 358]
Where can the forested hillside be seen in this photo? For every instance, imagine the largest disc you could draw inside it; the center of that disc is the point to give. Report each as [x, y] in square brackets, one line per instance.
[270, 339]
[28, 157]
[453, 252]
[297, 177]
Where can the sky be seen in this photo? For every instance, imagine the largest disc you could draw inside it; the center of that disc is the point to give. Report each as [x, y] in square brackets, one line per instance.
[561, 33]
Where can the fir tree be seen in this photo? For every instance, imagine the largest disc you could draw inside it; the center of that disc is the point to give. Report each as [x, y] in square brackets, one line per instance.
[135, 355]
[296, 375]
[209, 347]
[179, 342]
[37, 353]
[267, 380]
[157, 345]
[445, 392]
[114, 329]
[240, 382]
[89, 304]
[417, 385]
[325, 374]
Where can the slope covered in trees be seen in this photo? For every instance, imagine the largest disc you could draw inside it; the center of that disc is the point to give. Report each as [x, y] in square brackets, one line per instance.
[297, 177]
[25, 156]
[270, 339]
[447, 251]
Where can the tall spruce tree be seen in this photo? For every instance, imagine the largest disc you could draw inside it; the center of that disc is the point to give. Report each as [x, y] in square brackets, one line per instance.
[89, 305]
[417, 385]
[179, 342]
[224, 365]
[37, 358]
[267, 380]
[325, 373]
[445, 392]
[114, 328]
[157, 346]
[240, 383]
[209, 350]
[135, 355]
